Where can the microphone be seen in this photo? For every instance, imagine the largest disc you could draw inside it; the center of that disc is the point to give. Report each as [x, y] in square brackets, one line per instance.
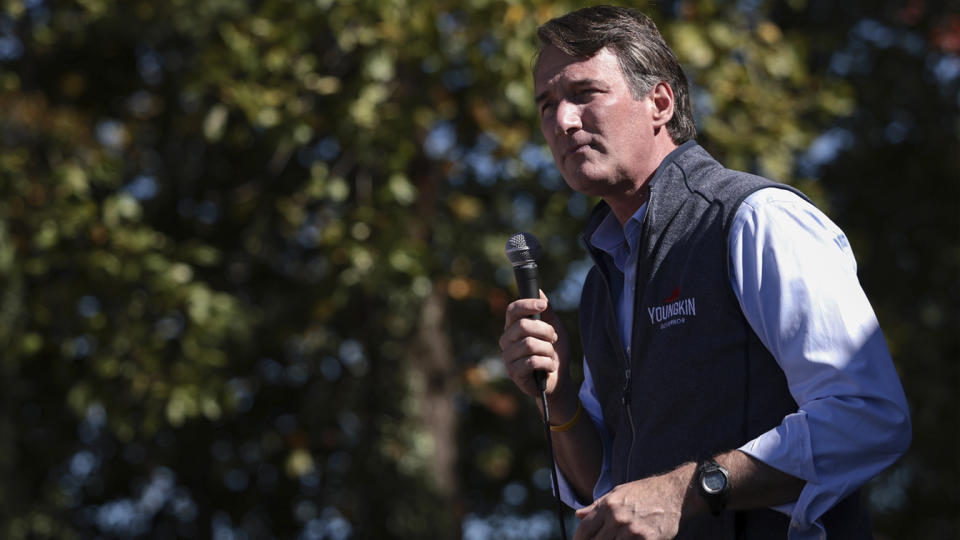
[522, 250]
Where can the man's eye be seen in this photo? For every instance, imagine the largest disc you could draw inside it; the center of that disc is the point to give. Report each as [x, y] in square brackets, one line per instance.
[586, 93]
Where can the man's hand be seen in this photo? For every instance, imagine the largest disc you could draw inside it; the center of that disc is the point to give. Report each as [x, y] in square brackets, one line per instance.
[529, 345]
[649, 508]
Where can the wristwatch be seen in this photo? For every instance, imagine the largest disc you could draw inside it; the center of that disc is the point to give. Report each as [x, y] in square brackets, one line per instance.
[713, 483]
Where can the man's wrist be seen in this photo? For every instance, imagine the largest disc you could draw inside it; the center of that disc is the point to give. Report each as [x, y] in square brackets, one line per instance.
[693, 502]
[569, 424]
[563, 406]
[713, 485]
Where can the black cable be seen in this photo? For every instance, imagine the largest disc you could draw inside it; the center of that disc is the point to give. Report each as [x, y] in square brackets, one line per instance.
[553, 459]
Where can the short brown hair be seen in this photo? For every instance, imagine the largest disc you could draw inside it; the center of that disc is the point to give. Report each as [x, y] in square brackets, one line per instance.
[645, 58]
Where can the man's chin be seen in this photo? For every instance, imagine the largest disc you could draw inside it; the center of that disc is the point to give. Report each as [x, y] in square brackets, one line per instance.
[588, 181]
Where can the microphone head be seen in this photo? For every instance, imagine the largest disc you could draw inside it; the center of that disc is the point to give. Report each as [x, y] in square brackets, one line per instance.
[523, 248]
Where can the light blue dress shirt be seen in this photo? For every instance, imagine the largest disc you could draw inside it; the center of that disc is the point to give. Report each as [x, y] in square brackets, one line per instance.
[795, 276]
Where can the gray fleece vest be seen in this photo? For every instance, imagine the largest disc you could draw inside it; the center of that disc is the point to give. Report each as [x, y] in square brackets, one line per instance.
[699, 381]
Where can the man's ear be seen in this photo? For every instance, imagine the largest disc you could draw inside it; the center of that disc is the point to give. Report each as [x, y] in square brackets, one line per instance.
[661, 95]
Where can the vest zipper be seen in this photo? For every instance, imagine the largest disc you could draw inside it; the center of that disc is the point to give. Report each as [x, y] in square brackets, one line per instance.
[625, 401]
[628, 381]
[625, 396]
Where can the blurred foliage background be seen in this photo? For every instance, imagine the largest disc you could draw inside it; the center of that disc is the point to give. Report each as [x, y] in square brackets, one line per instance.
[251, 252]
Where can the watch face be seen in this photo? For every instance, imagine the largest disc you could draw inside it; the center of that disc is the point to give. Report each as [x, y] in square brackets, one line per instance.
[713, 482]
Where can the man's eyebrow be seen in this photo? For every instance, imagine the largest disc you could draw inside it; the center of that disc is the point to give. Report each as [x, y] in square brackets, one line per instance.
[575, 83]
[586, 82]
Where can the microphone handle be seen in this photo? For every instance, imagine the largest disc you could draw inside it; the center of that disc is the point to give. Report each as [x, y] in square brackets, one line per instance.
[528, 286]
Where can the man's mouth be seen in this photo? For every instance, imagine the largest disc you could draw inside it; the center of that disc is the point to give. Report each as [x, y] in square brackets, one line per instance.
[577, 149]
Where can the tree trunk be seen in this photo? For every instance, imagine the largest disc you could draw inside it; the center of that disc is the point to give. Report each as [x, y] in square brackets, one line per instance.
[432, 385]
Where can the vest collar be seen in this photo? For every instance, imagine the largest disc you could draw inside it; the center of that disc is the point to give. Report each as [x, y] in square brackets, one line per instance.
[660, 204]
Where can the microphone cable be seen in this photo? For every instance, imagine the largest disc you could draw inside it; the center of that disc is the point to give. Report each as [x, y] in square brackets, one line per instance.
[541, 379]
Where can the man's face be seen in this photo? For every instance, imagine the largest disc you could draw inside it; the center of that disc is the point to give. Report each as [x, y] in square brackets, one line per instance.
[599, 134]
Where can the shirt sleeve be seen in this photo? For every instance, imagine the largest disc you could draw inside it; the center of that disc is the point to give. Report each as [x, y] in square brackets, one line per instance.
[794, 274]
[591, 406]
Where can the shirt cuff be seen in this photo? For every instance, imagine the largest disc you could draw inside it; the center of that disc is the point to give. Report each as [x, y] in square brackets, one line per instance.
[787, 448]
[591, 405]
[566, 492]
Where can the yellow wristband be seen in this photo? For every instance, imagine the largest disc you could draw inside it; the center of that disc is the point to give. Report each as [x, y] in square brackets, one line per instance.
[570, 423]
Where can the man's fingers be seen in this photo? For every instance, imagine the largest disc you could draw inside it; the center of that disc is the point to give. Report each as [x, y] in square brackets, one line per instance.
[582, 513]
[529, 344]
[528, 355]
[524, 308]
[521, 373]
[597, 523]
[527, 328]
[590, 523]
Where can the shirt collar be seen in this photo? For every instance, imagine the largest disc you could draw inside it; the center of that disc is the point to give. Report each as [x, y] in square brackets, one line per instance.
[617, 241]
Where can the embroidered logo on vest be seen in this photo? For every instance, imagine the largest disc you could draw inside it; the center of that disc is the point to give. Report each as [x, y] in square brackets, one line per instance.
[674, 310]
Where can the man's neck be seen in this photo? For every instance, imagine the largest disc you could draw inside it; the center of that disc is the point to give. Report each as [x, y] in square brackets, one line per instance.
[625, 204]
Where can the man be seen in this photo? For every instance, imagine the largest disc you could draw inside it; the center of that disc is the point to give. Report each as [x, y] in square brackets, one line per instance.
[736, 380]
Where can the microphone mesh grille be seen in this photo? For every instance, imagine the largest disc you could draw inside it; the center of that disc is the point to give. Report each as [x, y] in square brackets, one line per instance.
[523, 248]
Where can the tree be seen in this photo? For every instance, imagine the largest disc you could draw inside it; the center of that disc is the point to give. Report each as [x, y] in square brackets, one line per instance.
[251, 253]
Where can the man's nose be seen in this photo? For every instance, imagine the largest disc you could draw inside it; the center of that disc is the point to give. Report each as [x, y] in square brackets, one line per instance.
[568, 117]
